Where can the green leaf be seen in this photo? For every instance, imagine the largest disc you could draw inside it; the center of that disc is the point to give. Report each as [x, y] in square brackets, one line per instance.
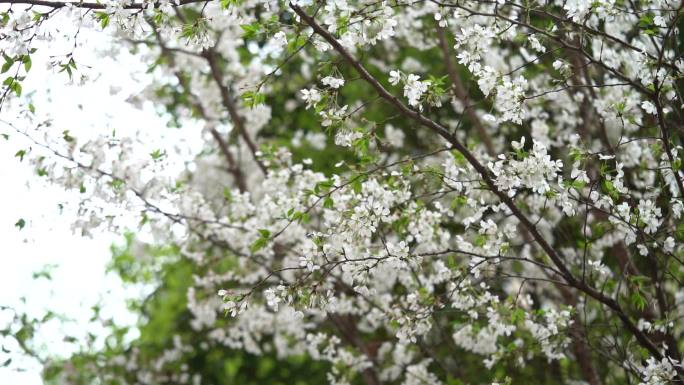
[188, 31]
[26, 59]
[20, 154]
[157, 154]
[103, 18]
[68, 67]
[458, 201]
[253, 98]
[679, 232]
[518, 315]
[227, 195]
[610, 189]
[20, 223]
[67, 138]
[638, 300]
[8, 63]
[357, 186]
[227, 3]
[16, 87]
[259, 244]
[250, 31]
[37, 16]
[638, 279]
[117, 184]
[45, 272]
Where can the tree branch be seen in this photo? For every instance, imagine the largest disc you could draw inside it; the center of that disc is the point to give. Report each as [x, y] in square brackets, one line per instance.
[462, 95]
[487, 178]
[229, 104]
[80, 4]
[233, 167]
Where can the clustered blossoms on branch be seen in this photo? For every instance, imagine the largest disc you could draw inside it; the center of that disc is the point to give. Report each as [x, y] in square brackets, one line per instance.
[503, 193]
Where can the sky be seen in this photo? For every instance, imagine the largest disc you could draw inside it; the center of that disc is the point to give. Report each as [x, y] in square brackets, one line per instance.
[79, 280]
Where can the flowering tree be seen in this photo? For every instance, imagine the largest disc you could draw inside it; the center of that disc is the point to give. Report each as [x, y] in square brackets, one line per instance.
[411, 192]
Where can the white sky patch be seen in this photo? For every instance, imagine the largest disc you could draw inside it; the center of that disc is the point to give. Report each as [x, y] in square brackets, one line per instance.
[79, 281]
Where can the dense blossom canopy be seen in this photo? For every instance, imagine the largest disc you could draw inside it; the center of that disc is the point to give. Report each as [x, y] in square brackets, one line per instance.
[410, 192]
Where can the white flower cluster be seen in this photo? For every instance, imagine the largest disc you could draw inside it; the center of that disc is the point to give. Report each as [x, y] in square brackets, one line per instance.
[659, 372]
[414, 88]
[535, 171]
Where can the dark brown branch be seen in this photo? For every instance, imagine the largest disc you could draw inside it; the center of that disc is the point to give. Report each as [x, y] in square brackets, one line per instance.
[233, 167]
[462, 95]
[229, 104]
[61, 4]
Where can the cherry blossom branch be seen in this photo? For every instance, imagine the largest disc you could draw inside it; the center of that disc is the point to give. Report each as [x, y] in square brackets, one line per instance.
[233, 167]
[634, 83]
[461, 93]
[484, 173]
[229, 104]
[85, 5]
